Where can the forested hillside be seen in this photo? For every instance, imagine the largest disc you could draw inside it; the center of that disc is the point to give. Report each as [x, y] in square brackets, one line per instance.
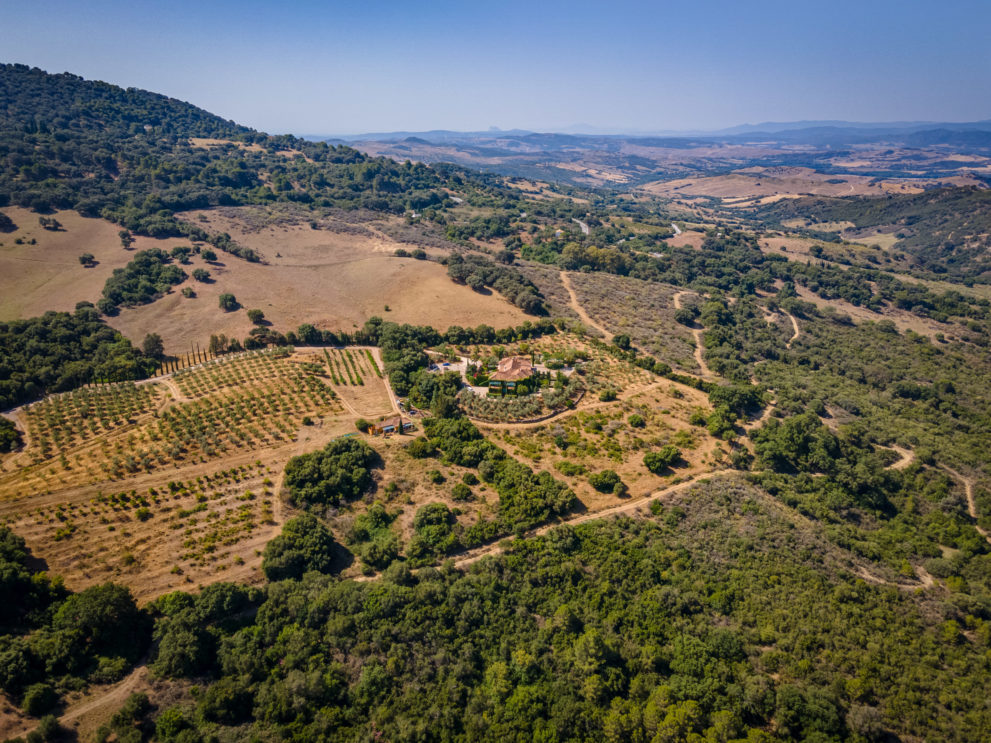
[947, 230]
[126, 155]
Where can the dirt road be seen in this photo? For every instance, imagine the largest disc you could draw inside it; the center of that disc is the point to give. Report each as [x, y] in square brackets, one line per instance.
[579, 310]
[794, 325]
[631, 506]
[968, 486]
[707, 373]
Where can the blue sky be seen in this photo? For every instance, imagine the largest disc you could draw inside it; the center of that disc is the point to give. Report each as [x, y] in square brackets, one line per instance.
[347, 67]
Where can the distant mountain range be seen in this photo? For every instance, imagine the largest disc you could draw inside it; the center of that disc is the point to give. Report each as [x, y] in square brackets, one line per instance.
[791, 130]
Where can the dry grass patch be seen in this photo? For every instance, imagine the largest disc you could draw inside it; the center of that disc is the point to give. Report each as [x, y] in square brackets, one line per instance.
[46, 274]
[334, 279]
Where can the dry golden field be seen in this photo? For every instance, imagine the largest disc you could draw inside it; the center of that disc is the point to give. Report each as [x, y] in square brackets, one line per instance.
[47, 275]
[334, 280]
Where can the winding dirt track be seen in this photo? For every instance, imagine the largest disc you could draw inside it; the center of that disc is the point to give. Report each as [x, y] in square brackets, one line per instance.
[579, 310]
[467, 558]
[794, 325]
[907, 457]
[968, 487]
[105, 700]
[699, 345]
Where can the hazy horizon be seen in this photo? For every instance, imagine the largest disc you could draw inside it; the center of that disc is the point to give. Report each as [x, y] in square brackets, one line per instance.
[335, 69]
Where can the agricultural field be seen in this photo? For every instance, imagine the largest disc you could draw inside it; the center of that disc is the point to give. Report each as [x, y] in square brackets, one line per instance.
[745, 187]
[599, 436]
[357, 377]
[168, 483]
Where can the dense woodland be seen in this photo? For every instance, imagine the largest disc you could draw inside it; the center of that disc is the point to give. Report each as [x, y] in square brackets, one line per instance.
[60, 351]
[780, 602]
[126, 155]
[946, 230]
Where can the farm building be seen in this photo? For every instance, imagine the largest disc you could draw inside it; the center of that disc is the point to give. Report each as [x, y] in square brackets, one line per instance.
[512, 373]
[395, 424]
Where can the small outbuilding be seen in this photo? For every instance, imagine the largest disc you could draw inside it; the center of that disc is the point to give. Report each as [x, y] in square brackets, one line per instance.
[395, 424]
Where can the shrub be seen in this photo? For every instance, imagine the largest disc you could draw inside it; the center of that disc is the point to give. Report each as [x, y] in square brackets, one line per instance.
[39, 699]
[469, 479]
[208, 255]
[171, 723]
[421, 448]
[228, 303]
[226, 702]
[362, 425]
[87, 259]
[569, 468]
[658, 461]
[461, 492]
[607, 395]
[433, 532]
[605, 481]
[636, 420]
[201, 274]
[256, 316]
[436, 477]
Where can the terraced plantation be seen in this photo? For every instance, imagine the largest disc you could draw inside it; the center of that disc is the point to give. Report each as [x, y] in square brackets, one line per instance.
[168, 482]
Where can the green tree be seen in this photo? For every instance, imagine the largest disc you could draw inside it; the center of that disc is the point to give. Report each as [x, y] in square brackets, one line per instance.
[152, 346]
[341, 471]
[605, 481]
[10, 437]
[256, 316]
[304, 544]
[105, 620]
[228, 303]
